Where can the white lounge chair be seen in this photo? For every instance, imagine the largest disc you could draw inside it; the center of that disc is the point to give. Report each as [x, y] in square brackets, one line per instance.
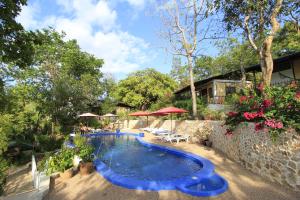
[176, 137]
[159, 131]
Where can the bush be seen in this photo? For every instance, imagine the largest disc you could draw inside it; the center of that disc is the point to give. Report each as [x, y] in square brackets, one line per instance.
[85, 150]
[273, 109]
[59, 162]
[48, 143]
[3, 169]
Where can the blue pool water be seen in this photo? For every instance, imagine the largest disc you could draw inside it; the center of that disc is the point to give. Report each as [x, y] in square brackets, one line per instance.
[128, 158]
[130, 162]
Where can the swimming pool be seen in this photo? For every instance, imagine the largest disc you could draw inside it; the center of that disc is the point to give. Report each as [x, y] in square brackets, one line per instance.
[126, 160]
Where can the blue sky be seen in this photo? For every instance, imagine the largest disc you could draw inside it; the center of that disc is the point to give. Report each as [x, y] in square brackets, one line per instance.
[122, 32]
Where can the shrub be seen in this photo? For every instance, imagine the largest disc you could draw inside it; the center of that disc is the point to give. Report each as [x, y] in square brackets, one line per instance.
[85, 150]
[273, 109]
[58, 162]
[3, 169]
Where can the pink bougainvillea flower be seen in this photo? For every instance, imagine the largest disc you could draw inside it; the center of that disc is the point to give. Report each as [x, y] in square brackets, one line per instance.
[273, 124]
[250, 116]
[258, 126]
[279, 125]
[242, 99]
[260, 87]
[260, 113]
[232, 114]
[267, 103]
[297, 96]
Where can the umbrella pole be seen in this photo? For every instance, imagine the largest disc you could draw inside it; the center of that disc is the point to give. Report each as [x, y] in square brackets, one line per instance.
[171, 122]
[147, 121]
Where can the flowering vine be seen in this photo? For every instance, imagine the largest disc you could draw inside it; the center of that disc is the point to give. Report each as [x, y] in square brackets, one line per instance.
[272, 109]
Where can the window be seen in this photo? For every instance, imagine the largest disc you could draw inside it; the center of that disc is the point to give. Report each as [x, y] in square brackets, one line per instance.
[210, 92]
[230, 90]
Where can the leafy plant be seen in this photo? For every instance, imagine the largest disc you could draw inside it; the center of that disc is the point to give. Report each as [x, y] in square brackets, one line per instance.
[59, 162]
[84, 149]
[272, 109]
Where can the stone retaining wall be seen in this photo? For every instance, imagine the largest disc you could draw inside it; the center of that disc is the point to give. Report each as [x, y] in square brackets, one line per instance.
[276, 161]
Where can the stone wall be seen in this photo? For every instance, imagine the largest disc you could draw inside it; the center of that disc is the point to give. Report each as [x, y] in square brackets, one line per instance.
[276, 161]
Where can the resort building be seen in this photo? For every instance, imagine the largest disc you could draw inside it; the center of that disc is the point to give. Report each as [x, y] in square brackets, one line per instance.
[215, 89]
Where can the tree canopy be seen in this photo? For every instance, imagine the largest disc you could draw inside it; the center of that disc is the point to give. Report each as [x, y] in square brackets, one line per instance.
[144, 88]
[15, 42]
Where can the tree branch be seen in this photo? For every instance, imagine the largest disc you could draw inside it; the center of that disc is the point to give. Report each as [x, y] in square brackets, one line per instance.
[247, 30]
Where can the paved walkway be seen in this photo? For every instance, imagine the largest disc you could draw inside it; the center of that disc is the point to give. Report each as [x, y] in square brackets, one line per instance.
[243, 184]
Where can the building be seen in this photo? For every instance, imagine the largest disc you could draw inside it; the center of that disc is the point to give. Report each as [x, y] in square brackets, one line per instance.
[215, 89]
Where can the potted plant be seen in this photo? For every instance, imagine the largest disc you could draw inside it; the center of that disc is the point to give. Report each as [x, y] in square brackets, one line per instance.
[86, 165]
[61, 162]
[84, 151]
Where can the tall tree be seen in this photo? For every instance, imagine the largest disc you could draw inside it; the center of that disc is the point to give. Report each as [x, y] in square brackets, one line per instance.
[259, 21]
[287, 40]
[15, 42]
[183, 22]
[144, 88]
[179, 72]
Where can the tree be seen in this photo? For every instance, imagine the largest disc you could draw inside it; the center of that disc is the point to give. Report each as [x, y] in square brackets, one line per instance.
[179, 72]
[184, 22]
[259, 21]
[287, 40]
[15, 42]
[63, 82]
[144, 88]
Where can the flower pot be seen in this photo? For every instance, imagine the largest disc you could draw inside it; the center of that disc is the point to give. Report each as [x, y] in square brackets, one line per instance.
[67, 174]
[86, 168]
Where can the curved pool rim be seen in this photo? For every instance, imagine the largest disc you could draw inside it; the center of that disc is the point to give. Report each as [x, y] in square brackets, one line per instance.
[181, 184]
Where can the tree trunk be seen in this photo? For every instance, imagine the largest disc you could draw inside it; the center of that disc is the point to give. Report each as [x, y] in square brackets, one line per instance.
[266, 62]
[193, 91]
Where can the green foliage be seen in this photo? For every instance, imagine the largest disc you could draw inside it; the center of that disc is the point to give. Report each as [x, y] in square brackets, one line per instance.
[15, 43]
[276, 111]
[48, 143]
[3, 169]
[59, 162]
[6, 129]
[179, 72]
[85, 150]
[79, 141]
[287, 40]
[144, 88]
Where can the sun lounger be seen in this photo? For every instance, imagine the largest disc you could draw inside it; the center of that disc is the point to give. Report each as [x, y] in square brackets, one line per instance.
[159, 131]
[176, 137]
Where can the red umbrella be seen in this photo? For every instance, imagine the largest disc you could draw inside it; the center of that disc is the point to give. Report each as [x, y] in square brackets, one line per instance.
[169, 110]
[140, 113]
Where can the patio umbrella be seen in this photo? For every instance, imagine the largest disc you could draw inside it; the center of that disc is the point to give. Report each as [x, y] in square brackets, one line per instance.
[87, 115]
[139, 114]
[110, 115]
[169, 110]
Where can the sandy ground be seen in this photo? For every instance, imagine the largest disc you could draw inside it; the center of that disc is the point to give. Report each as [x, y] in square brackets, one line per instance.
[243, 184]
[19, 182]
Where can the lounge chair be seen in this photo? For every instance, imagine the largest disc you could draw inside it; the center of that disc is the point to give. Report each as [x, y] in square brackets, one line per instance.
[176, 137]
[159, 131]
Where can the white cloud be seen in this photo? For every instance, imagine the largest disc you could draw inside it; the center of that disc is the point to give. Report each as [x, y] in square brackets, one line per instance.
[93, 25]
[137, 3]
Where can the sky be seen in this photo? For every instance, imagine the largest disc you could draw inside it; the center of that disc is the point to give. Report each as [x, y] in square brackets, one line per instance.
[122, 32]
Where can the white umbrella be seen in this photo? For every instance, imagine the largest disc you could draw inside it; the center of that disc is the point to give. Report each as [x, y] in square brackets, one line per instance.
[109, 115]
[87, 115]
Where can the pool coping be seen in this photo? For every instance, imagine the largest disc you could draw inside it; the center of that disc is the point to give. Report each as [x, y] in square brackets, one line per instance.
[181, 184]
